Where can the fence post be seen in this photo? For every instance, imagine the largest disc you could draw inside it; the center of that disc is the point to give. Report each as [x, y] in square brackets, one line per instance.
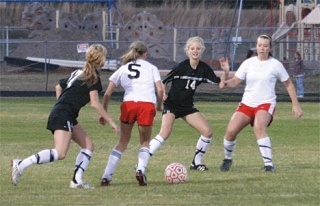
[7, 40]
[103, 25]
[57, 19]
[174, 44]
[45, 64]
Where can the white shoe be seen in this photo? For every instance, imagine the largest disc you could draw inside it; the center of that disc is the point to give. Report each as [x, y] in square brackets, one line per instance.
[16, 173]
[83, 185]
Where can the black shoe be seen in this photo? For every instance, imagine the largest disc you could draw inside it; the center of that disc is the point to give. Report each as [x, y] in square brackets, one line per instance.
[226, 164]
[198, 167]
[269, 168]
[105, 182]
[142, 179]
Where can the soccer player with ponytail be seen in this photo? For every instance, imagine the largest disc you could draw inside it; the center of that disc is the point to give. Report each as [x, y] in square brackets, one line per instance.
[72, 94]
[258, 103]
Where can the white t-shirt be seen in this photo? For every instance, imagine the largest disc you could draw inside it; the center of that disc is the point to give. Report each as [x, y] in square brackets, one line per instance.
[138, 80]
[261, 78]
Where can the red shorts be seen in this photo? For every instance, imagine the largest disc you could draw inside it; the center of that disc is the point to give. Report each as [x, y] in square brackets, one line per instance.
[251, 111]
[142, 112]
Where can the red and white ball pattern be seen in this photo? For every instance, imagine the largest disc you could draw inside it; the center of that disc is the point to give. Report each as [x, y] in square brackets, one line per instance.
[176, 173]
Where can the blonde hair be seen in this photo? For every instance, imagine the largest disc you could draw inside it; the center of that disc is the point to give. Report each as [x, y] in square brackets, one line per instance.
[194, 39]
[95, 59]
[136, 50]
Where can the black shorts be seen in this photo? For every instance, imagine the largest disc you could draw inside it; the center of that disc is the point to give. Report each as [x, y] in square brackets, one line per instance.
[63, 121]
[178, 110]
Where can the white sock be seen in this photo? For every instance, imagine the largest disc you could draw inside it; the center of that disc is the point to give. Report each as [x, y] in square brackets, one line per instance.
[265, 150]
[82, 163]
[44, 156]
[201, 148]
[143, 159]
[228, 147]
[113, 161]
[155, 144]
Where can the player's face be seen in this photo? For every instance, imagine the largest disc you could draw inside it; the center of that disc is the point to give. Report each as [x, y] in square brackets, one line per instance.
[263, 48]
[195, 50]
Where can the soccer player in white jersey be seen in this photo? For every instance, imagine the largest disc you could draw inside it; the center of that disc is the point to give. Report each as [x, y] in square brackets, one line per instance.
[73, 93]
[258, 103]
[179, 102]
[143, 95]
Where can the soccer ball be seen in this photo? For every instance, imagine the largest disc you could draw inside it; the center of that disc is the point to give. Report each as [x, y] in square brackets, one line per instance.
[175, 173]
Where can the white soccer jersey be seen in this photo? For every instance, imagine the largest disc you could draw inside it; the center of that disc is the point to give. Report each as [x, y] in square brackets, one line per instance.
[261, 78]
[138, 80]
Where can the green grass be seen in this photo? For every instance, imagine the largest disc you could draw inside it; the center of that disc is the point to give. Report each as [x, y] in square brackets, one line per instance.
[296, 152]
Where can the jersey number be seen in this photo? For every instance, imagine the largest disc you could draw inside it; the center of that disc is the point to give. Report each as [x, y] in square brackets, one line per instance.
[135, 73]
[191, 84]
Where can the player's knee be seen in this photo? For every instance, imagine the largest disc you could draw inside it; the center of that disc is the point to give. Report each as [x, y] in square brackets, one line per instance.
[207, 133]
[260, 133]
[230, 135]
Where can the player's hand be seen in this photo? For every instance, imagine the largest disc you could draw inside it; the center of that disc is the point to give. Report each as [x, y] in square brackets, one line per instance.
[115, 128]
[297, 111]
[159, 107]
[224, 64]
[165, 96]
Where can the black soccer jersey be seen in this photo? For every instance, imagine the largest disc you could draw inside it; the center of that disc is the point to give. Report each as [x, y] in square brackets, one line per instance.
[75, 94]
[185, 81]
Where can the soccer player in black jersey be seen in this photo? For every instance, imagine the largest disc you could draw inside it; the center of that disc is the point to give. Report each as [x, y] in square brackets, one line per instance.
[178, 103]
[73, 93]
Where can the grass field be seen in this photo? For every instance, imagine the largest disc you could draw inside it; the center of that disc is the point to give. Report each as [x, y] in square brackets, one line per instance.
[296, 150]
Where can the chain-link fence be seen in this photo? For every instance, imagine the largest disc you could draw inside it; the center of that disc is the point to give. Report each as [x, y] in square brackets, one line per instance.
[167, 44]
[31, 64]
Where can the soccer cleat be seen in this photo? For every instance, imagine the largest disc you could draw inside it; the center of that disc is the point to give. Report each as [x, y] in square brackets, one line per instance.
[226, 164]
[198, 167]
[269, 168]
[16, 174]
[105, 182]
[142, 179]
[82, 185]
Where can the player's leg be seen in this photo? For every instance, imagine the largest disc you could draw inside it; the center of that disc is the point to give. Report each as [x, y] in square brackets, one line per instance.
[144, 154]
[199, 123]
[165, 130]
[262, 119]
[62, 141]
[238, 121]
[83, 158]
[116, 153]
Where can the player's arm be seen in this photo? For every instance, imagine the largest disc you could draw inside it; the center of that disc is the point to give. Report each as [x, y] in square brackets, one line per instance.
[223, 78]
[231, 83]
[95, 103]
[164, 88]
[58, 89]
[106, 98]
[107, 94]
[296, 110]
[224, 64]
[160, 92]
